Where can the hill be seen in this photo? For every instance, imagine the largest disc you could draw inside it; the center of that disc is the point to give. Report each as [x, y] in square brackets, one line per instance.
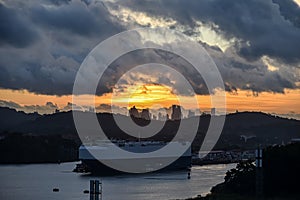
[248, 129]
[241, 130]
[11, 119]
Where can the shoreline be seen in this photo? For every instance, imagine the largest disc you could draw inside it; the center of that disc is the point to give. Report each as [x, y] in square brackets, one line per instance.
[36, 163]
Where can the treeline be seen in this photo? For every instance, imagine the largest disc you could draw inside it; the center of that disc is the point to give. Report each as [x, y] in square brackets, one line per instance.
[27, 148]
[282, 170]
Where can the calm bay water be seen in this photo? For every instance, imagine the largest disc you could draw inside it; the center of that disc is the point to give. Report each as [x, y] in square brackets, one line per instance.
[36, 181]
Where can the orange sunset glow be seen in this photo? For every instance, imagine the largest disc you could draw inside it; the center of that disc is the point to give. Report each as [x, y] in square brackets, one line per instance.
[145, 96]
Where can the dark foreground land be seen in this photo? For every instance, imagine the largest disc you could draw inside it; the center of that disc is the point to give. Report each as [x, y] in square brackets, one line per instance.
[280, 177]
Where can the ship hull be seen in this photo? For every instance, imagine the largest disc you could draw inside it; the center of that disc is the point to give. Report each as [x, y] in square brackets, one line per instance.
[96, 167]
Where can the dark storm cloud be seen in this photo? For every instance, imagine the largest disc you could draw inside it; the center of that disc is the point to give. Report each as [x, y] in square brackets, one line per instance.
[261, 27]
[59, 2]
[76, 18]
[155, 75]
[46, 75]
[239, 73]
[14, 29]
[289, 10]
[43, 43]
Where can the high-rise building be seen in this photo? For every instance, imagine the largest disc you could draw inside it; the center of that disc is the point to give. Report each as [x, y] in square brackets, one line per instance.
[133, 112]
[176, 112]
[145, 114]
[160, 116]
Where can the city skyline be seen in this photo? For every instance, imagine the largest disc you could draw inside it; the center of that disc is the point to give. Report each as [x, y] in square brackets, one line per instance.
[244, 101]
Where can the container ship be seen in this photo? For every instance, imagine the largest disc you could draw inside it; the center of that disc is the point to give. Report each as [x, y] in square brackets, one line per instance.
[89, 155]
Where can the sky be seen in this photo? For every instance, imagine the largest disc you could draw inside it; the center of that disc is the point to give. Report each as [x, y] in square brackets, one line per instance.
[255, 45]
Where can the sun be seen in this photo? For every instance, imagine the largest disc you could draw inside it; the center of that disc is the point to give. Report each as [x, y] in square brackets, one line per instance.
[145, 96]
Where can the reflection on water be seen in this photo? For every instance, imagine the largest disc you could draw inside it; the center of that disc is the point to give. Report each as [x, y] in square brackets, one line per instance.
[37, 181]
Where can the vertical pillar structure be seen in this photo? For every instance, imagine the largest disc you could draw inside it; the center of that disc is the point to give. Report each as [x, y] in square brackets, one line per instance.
[95, 190]
[92, 189]
[96, 186]
[259, 173]
[92, 186]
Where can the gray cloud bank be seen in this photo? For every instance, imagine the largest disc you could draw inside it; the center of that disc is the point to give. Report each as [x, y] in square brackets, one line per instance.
[50, 108]
[47, 108]
[43, 43]
[262, 27]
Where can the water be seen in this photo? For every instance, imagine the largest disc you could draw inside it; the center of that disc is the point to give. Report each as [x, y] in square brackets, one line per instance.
[37, 181]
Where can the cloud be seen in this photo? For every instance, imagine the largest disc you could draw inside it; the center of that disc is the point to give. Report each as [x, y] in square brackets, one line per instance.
[261, 27]
[42, 44]
[71, 106]
[48, 41]
[48, 108]
[123, 68]
[290, 11]
[75, 17]
[106, 108]
[12, 24]
[239, 73]
[59, 2]
[9, 104]
[290, 115]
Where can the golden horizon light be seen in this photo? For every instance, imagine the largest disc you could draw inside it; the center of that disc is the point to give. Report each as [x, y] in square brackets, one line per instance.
[146, 96]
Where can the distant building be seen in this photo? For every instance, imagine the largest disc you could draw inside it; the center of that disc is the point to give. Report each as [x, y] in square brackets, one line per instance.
[213, 111]
[145, 114]
[154, 117]
[133, 112]
[160, 116]
[176, 112]
[91, 109]
[191, 114]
